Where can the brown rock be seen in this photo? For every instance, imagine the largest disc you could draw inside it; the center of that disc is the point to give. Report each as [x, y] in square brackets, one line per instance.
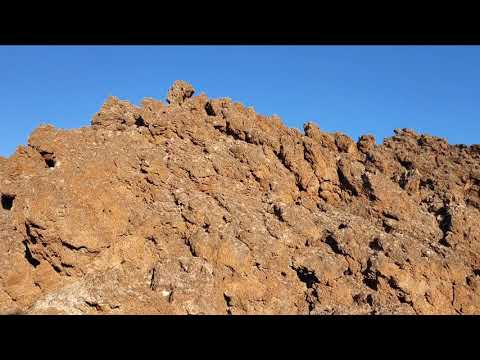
[179, 92]
[345, 143]
[202, 206]
[366, 143]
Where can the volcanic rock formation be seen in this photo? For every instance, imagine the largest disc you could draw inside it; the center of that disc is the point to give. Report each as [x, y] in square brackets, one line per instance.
[201, 206]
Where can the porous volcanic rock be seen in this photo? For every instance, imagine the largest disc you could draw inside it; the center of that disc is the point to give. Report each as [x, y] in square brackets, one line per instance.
[201, 206]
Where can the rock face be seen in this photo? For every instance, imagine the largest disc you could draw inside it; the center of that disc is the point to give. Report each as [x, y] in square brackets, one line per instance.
[202, 206]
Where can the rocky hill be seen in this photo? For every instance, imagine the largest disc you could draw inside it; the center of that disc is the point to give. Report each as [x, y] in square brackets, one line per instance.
[202, 206]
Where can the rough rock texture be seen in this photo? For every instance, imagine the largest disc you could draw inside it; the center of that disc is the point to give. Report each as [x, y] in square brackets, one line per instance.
[202, 206]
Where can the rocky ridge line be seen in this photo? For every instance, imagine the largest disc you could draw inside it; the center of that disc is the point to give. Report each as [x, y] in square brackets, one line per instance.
[202, 206]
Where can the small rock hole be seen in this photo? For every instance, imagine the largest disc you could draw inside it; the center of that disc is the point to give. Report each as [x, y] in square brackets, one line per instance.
[49, 159]
[50, 162]
[209, 109]
[140, 122]
[375, 245]
[7, 201]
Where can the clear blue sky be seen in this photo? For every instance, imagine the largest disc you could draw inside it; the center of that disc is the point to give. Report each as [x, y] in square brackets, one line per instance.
[352, 89]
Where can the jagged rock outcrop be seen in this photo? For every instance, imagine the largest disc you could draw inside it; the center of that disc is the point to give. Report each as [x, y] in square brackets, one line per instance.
[201, 206]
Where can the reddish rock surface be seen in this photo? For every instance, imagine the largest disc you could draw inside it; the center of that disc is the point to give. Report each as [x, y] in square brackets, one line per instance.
[200, 206]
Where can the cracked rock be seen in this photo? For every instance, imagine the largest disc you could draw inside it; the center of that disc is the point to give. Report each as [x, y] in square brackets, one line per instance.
[203, 206]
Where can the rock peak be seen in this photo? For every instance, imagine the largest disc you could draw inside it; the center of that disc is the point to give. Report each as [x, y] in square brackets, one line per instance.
[179, 92]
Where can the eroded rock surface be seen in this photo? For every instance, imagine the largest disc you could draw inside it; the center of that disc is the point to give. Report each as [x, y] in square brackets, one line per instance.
[201, 206]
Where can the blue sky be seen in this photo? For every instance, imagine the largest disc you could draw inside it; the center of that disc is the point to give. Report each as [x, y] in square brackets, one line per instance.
[352, 89]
